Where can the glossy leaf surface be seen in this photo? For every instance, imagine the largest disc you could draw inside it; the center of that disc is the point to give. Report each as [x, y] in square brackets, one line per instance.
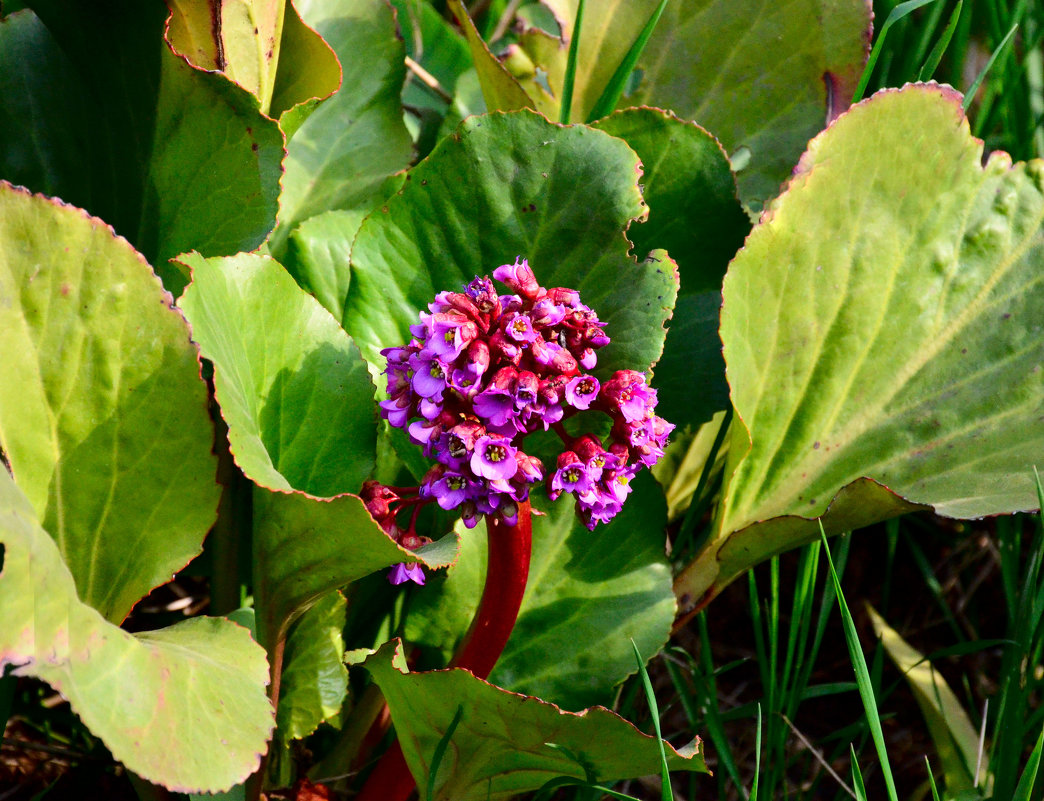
[510, 185]
[184, 707]
[881, 354]
[693, 214]
[302, 426]
[589, 594]
[761, 77]
[315, 679]
[507, 744]
[177, 159]
[294, 392]
[103, 415]
[352, 142]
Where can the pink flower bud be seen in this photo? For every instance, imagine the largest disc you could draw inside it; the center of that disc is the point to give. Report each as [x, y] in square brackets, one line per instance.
[519, 279]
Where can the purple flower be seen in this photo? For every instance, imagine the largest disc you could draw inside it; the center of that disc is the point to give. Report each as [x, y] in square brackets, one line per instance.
[547, 313]
[628, 392]
[449, 334]
[494, 457]
[429, 375]
[396, 411]
[519, 278]
[481, 291]
[450, 491]
[581, 391]
[571, 476]
[403, 572]
[519, 327]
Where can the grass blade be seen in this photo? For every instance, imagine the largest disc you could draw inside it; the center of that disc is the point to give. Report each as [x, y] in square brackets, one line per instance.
[1029, 774]
[654, 710]
[931, 779]
[970, 94]
[757, 759]
[866, 690]
[928, 70]
[614, 89]
[570, 73]
[897, 14]
[857, 775]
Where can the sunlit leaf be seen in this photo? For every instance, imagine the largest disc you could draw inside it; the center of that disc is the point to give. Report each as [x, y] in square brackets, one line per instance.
[764, 77]
[99, 111]
[507, 744]
[344, 151]
[184, 707]
[865, 368]
[314, 680]
[103, 415]
[510, 185]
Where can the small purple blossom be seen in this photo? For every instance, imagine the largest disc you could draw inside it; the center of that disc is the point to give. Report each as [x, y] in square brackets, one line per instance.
[494, 457]
[403, 572]
[581, 391]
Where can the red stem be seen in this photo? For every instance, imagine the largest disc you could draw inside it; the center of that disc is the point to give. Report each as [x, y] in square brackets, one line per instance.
[507, 570]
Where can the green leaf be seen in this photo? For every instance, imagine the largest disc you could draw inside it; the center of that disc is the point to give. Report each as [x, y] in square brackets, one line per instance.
[690, 378]
[695, 216]
[174, 158]
[589, 594]
[292, 387]
[305, 547]
[308, 74]
[314, 680]
[956, 740]
[318, 255]
[865, 367]
[298, 402]
[319, 250]
[103, 416]
[760, 77]
[500, 88]
[240, 38]
[510, 185]
[507, 744]
[344, 151]
[263, 47]
[184, 707]
[691, 193]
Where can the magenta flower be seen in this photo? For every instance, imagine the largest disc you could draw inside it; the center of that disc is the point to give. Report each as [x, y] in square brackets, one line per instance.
[581, 391]
[494, 457]
[485, 371]
[404, 572]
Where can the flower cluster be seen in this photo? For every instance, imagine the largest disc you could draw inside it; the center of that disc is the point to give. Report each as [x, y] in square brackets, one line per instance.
[482, 372]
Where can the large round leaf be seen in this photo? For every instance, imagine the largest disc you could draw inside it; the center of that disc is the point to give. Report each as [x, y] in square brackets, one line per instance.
[344, 151]
[173, 157]
[589, 595]
[301, 425]
[761, 76]
[103, 415]
[695, 216]
[883, 321]
[505, 744]
[314, 680]
[292, 387]
[510, 185]
[184, 707]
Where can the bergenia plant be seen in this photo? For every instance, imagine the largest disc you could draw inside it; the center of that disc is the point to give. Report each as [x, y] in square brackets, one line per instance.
[483, 372]
[239, 358]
